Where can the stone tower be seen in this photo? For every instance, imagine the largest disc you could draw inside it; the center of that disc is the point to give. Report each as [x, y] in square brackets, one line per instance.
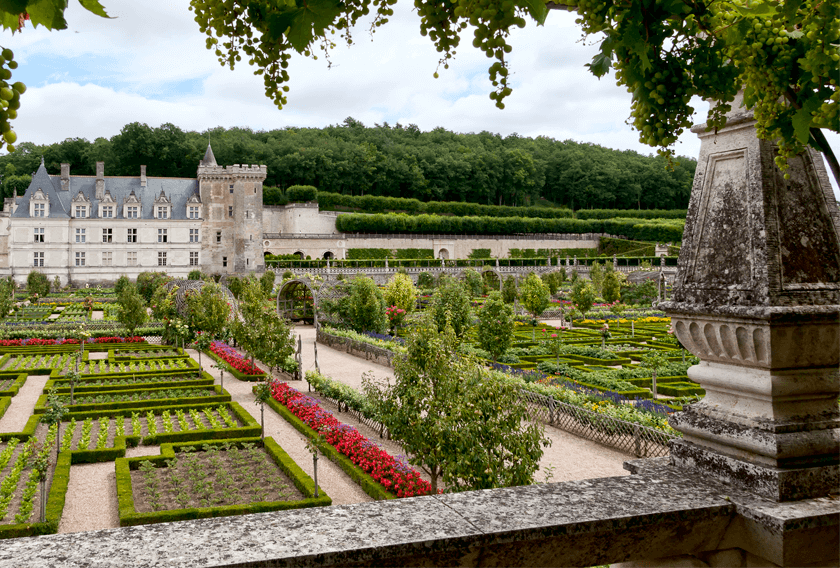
[233, 230]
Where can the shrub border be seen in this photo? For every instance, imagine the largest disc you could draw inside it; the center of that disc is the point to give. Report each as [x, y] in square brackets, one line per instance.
[55, 504]
[15, 387]
[130, 517]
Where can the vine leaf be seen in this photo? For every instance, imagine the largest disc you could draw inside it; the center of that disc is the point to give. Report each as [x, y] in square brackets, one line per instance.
[47, 13]
[309, 21]
[95, 7]
[802, 120]
[537, 9]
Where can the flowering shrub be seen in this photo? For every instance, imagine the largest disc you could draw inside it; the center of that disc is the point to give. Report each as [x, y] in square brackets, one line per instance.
[394, 475]
[230, 356]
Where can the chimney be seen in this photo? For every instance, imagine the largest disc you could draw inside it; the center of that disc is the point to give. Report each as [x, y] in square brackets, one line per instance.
[100, 180]
[142, 176]
[65, 177]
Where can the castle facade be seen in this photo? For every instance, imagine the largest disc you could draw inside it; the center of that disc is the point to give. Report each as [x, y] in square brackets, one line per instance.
[91, 229]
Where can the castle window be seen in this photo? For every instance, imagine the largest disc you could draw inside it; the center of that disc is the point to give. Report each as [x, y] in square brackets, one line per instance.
[218, 236]
[107, 258]
[224, 261]
[193, 212]
[80, 259]
[161, 258]
[193, 259]
[131, 212]
[39, 234]
[231, 188]
[230, 210]
[80, 236]
[162, 212]
[162, 236]
[81, 211]
[132, 236]
[107, 212]
[107, 235]
[132, 258]
[40, 210]
[193, 235]
[39, 259]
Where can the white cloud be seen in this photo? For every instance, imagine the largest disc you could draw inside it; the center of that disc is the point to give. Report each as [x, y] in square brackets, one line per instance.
[150, 64]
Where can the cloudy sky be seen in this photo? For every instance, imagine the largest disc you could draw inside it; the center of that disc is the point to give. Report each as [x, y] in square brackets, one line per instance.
[149, 64]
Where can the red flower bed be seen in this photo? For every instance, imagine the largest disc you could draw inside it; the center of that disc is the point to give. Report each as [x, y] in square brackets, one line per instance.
[36, 342]
[230, 356]
[135, 339]
[394, 475]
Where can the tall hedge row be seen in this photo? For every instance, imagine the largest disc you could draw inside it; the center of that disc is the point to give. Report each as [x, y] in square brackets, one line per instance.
[664, 230]
[631, 213]
[377, 204]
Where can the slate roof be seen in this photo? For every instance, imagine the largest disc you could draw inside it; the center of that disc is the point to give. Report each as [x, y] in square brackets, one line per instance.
[177, 190]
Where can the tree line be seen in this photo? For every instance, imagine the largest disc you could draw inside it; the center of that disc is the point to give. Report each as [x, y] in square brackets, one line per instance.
[383, 160]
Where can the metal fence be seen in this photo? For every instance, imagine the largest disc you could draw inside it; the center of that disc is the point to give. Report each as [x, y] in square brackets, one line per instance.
[629, 437]
[635, 439]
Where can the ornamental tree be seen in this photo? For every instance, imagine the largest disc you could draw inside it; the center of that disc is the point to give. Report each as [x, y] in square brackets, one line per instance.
[509, 291]
[400, 292]
[209, 310]
[495, 325]
[583, 296]
[534, 295]
[38, 284]
[260, 330]
[783, 53]
[611, 288]
[132, 313]
[365, 307]
[451, 306]
[459, 425]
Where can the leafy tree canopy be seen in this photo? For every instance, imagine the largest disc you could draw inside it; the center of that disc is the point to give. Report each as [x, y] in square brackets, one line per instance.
[783, 52]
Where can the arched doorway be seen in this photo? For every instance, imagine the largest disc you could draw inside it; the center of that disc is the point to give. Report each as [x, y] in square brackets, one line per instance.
[297, 301]
[299, 254]
[329, 255]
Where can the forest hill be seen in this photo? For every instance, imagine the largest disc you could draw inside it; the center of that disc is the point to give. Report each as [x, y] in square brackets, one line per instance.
[394, 161]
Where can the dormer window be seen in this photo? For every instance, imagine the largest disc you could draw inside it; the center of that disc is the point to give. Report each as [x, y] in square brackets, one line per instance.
[194, 207]
[81, 206]
[39, 204]
[162, 207]
[107, 206]
[131, 206]
[193, 212]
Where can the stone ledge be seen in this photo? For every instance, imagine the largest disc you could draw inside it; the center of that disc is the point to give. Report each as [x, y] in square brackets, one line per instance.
[660, 511]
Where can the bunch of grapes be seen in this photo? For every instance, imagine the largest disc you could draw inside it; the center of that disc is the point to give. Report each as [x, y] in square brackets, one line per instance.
[9, 99]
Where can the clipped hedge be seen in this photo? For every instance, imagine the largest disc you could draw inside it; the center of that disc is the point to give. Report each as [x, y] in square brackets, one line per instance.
[631, 213]
[328, 201]
[365, 481]
[219, 397]
[55, 504]
[13, 389]
[5, 402]
[663, 230]
[130, 517]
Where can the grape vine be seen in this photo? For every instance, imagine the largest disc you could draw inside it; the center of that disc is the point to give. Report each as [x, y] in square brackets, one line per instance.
[13, 17]
[783, 53]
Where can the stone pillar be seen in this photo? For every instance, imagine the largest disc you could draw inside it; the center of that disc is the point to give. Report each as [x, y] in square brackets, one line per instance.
[757, 299]
[615, 262]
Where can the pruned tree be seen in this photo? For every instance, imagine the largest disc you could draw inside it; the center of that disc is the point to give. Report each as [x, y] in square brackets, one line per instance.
[495, 325]
[462, 427]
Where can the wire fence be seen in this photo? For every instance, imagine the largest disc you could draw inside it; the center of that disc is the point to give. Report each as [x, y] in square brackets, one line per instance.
[629, 437]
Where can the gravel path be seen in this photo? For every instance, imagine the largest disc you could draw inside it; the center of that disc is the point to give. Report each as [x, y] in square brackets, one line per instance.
[91, 502]
[331, 479]
[568, 458]
[23, 403]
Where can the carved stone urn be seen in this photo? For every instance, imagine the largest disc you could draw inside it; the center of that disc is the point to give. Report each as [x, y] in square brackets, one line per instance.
[757, 299]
